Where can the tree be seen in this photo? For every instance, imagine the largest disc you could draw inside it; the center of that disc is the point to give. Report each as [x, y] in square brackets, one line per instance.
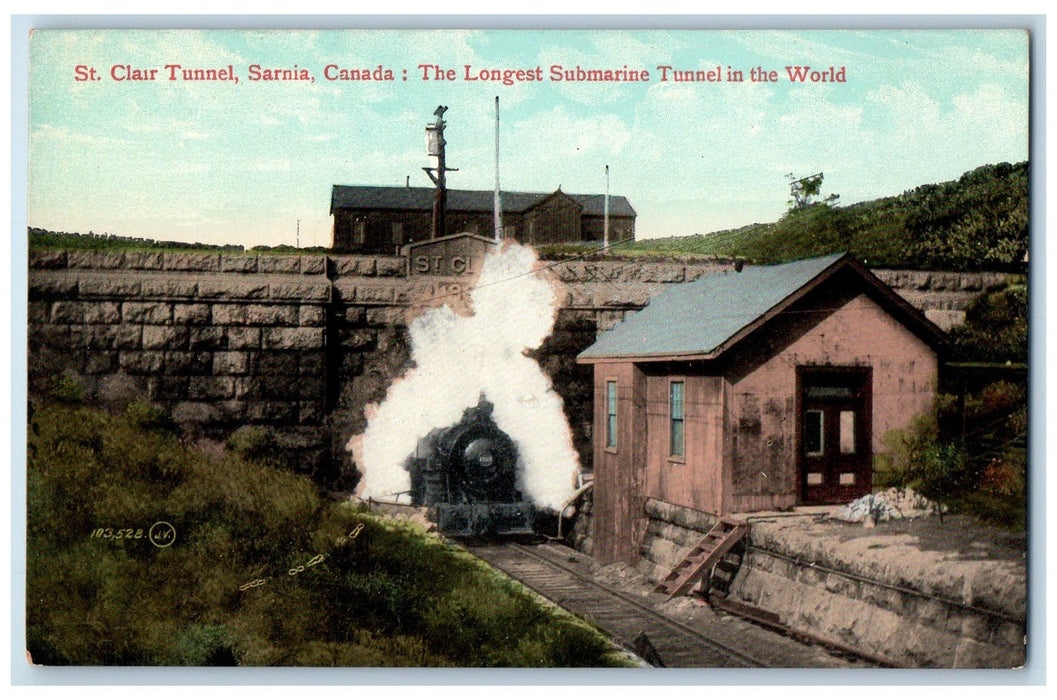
[805, 190]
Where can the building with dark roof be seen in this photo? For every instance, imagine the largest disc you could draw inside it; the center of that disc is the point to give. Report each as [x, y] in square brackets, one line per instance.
[754, 390]
[370, 219]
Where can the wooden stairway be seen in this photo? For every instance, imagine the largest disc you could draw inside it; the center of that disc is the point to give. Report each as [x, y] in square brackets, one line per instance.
[699, 561]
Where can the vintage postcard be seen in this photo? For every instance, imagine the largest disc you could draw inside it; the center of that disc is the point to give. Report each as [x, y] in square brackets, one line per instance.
[519, 349]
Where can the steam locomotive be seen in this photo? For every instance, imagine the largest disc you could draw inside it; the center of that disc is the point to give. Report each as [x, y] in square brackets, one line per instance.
[465, 474]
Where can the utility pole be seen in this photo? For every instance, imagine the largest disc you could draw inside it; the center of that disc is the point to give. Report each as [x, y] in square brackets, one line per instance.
[435, 149]
[498, 205]
[605, 217]
[299, 233]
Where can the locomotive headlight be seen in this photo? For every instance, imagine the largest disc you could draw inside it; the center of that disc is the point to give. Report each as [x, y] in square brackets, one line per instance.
[485, 459]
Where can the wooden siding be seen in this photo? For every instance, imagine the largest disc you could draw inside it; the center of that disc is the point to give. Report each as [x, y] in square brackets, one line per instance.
[554, 220]
[620, 521]
[763, 419]
[695, 479]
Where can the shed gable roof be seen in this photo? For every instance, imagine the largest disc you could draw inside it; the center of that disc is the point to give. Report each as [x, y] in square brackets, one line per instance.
[700, 320]
[421, 199]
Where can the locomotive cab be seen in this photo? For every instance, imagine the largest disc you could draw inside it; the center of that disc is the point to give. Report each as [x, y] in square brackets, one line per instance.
[466, 475]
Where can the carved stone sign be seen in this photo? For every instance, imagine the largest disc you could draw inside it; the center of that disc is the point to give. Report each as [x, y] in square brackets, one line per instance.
[451, 256]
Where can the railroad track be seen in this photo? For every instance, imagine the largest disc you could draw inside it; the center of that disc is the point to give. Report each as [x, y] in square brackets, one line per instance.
[712, 642]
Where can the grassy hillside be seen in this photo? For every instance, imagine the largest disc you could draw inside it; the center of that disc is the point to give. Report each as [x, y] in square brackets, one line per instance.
[254, 569]
[978, 222]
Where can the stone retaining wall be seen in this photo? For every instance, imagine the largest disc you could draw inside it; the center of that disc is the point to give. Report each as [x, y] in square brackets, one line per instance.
[956, 614]
[303, 343]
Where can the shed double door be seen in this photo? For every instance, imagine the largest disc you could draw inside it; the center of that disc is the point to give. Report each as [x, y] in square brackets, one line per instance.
[835, 455]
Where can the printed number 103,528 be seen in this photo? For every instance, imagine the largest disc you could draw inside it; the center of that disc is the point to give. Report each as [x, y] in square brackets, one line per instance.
[109, 533]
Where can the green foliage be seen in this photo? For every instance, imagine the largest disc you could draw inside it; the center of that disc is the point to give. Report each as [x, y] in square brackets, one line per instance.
[996, 327]
[981, 470]
[40, 239]
[978, 222]
[380, 593]
[918, 459]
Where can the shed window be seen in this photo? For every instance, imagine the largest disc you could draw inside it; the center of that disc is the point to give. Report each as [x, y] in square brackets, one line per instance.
[611, 414]
[813, 433]
[359, 232]
[675, 412]
[847, 432]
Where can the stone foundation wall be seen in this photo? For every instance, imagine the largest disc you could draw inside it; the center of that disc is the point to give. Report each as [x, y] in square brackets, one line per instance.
[967, 619]
[890, 617]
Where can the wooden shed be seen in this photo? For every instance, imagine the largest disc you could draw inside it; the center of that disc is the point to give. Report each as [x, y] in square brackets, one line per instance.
[754, 390]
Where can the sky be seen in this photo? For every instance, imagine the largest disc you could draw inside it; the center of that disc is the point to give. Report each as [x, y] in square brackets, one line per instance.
[253, 162]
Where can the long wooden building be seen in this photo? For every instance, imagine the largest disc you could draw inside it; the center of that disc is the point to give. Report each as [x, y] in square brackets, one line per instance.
[370, 219]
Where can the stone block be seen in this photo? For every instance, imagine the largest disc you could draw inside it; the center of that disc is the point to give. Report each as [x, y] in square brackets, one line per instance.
[357, 266]
[101, 337]
[277, 363]
[359, 338]
[231, 363]
[310, 315]
[313, 264]
[102, 312]
[271, 315]
[195, 412]
[140, 362]
[171, 286]
[45, 285]
[386, 316]
[390, 267]
[191, 262]
[143, 260]
[842, 585]
[312, 364]
[811, 576]
[190, 314]
[230, 314]
[165, 337]
[101, 362]
[181, 362]
[373, 294]
[272, 411]
[662, 272]
[311, 412]
[1008, 634]
[973, 654]
[238, 263]
[207, 338]
[95, 260]
[153, 312]
[231, 288]
[68, 312]
[881, 597]
[109, 286]
[211, 388]
[55, 336]
[243, 338]
[292, 338]
[38, 312]
[167, 389]
[283, 264]
[47, 259]
[300, 291]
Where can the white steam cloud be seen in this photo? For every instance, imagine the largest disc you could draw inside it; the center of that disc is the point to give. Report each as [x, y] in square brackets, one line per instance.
[459, 357]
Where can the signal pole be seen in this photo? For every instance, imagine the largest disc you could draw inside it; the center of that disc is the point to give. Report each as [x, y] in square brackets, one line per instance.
[435, 150]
